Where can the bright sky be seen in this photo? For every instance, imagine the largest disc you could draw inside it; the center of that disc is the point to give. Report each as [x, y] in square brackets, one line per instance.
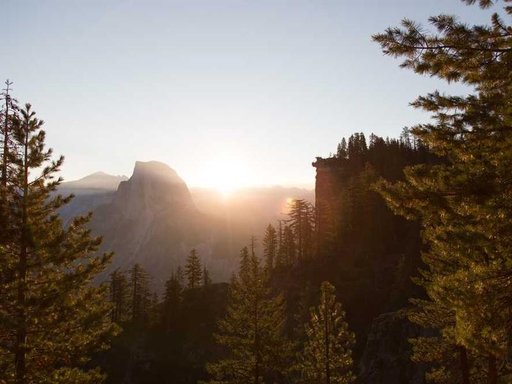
[255, 87]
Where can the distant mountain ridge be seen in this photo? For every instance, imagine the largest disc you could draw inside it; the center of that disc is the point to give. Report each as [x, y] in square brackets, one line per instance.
[95, 183]
[152, 218]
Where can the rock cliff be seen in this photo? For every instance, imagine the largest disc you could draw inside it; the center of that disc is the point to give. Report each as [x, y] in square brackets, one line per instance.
[152, 220]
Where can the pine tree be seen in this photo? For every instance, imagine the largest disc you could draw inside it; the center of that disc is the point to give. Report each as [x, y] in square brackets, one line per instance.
[327, 356]
[8, 115]
[289, 247]
[463, 204]
[245, 261]
[140, 294]
[270, 247]
[301, 222]
[252, 331]
[51, 316]
[341, 152]
[193, 270]
[281, 250]
[173, 298]
[119, 296]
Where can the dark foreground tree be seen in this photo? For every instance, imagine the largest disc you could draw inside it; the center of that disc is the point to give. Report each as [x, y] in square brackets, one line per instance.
[301, 223]
[327, 356]
[252, 331]
[8, 115]
[270, 247]
[140, 295]
[463, 204]
[51, 316]
[173, 297]
[119, 296]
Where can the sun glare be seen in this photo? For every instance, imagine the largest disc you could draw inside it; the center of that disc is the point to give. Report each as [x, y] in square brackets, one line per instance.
[225, 175]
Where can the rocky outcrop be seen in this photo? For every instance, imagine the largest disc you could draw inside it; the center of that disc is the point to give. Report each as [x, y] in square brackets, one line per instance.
[152, 220]
[153, 189]
[386, 357]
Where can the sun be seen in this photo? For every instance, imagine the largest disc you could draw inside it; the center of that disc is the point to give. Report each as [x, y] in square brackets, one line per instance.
[225, 175]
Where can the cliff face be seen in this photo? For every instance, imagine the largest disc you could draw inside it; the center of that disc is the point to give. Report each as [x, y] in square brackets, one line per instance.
[370, 254]
[327, 190]
[152, 220]
[153, 190]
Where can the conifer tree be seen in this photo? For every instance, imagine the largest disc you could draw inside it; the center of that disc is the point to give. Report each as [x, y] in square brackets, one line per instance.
[119, 296]
[8, 115]
[140, 294]
[301, 222]
[281, 251]
[51, 316]
[289, 247]
[245, 261]
[270, 247]
[463, 202]
[193, 270]
[172, 302]
[327, 356]
[252, 330]
[341, 152]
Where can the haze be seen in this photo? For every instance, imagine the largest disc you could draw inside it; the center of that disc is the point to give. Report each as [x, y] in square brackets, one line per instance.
[245, 92]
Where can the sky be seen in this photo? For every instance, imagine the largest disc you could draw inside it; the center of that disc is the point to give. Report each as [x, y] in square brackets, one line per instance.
[238, 92]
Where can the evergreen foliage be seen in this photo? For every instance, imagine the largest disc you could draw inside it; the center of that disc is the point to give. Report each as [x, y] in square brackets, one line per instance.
[463, 204]
[140, 295]
[119, 296]
[8, 114]
[301, 222]
[51, 317]
[252, 331]
[193, 270]
[270, 247]
[173, 297]
[327, 356]
[289, 247]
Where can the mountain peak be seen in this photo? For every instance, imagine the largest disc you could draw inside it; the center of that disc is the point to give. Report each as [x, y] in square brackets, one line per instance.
[154, 168]
[153, 187]
[96, 181]
[98, 174]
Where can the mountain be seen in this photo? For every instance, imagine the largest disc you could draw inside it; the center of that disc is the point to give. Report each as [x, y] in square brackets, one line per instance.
[90, 192]
[154, 219]
[98, 182]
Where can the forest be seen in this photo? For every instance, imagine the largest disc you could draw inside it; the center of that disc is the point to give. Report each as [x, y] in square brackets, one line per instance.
[400, 272]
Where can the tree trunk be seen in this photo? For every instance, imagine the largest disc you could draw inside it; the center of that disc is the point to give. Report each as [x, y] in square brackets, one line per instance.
[464, 365]
[21, 329]
[6, 139]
